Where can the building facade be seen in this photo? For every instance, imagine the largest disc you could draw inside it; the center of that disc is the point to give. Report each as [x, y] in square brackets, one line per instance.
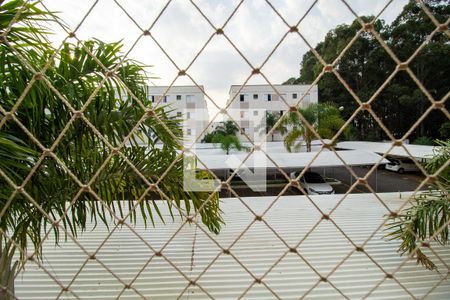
[188, 103]
[247, 105]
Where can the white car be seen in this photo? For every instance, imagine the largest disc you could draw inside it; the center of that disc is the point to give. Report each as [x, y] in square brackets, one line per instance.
[401, 165]
[313, 183]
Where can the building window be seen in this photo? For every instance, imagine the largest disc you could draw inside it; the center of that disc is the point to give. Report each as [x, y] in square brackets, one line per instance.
[255, 112]
[178, 97]
[269, 97]
[153, 98]
[243, 130]
[165, 99]
[179, 114]
[242, 114]
[188, 115]
[255, 96]
[188, 131]
[189, 98]
[242, 97]
[294, 96]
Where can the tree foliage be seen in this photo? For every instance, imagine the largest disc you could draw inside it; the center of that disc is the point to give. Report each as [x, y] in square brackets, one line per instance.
[366, 65]
[225, 135]
[427, 220]
[271, 119]
[325, 119]
[227, 142]
[224, 128]
[74, 81]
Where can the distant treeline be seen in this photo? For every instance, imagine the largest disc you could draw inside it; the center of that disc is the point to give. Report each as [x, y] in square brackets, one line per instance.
[366, 65]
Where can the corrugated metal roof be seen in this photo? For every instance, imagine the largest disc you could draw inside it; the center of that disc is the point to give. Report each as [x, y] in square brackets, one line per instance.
[258, 159]
[268, 146]
[258, 249]
[417, 151]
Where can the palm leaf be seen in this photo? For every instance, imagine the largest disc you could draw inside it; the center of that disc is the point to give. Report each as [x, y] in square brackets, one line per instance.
[428, 217]
[112, 110]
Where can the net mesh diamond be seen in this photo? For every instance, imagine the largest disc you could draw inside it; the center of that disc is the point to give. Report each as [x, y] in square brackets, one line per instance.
[187, 254]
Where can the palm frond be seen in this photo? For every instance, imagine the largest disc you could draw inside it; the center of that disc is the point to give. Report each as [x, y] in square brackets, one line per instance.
[427, 219]
[113, 111]
[324, 118]
[291, 140]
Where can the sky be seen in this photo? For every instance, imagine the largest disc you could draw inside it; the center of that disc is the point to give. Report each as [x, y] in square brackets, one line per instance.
[255, 29]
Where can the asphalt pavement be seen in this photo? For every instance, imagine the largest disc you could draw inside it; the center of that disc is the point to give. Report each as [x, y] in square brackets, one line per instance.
[381, 181]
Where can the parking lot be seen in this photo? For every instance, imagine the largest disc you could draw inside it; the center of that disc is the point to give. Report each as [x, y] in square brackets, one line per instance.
[381, 181]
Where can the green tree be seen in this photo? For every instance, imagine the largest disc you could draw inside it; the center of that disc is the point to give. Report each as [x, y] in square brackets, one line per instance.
[362, 67]
[423, 140]
[49, 110]
[365, 66]
[431, 66]
[228, 142]
[271, 120]
[224, 128]
[428, 217]
[444, 131]
[225, 135]
[325, 119]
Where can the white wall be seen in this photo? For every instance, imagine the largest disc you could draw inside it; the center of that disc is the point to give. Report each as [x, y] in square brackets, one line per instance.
[252, 100]
[188, 103]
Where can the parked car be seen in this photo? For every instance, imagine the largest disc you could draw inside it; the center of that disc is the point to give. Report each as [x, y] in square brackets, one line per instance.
[313, 183]
[401, 165]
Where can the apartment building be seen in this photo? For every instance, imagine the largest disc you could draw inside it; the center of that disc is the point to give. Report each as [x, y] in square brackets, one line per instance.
[188, 103]
[248, 105]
